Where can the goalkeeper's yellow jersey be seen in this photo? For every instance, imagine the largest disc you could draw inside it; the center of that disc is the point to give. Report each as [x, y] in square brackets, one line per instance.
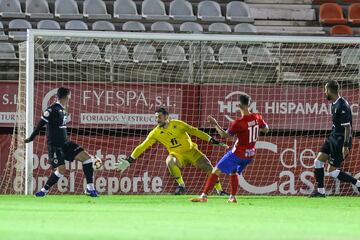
[175, 138]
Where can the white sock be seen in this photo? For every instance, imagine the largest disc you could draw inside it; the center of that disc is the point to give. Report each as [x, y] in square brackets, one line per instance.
[321, 190]
[357, 183]
[182, 185]
[44, 190]
[90, 186]
[203, 195]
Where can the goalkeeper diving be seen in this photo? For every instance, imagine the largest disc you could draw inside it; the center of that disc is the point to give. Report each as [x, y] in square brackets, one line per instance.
[174, 135]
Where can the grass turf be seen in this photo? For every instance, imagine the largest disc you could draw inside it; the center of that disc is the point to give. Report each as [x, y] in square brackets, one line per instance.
[174, 217]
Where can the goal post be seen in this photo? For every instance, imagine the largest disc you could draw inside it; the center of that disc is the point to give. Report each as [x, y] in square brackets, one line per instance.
[118, 79]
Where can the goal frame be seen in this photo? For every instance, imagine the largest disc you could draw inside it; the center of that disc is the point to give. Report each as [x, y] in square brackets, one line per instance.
[33, 34]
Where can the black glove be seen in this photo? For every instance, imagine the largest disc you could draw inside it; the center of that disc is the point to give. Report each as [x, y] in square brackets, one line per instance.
[130, 159]
[213, 141]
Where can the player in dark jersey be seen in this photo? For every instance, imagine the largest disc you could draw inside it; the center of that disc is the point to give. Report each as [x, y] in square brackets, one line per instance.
[246, 129]
[60, 148]
[337, 146]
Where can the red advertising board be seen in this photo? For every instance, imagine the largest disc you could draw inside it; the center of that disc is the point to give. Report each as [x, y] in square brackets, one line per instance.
[125, 105]
[283, 107]
[283, 165]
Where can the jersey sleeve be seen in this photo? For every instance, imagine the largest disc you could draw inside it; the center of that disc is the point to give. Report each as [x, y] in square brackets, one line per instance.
[345, 116]
[45, 117]
[233, 128]
[195, 131]
[262, 123]
[148, 142]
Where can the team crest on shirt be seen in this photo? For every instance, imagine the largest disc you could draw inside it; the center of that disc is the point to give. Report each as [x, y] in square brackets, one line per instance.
[174, 126]
[46, 113]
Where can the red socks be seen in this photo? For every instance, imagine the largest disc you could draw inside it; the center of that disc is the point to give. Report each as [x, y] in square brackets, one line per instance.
[234, 184]
[210, 183]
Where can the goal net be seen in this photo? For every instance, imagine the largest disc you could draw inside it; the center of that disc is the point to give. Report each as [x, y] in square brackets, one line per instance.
[117, 81]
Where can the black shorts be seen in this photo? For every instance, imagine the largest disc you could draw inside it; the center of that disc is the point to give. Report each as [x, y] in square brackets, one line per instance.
[333, 147]
[59, 154]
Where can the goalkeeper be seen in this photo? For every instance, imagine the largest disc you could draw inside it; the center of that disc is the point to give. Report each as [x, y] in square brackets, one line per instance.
[174, 135]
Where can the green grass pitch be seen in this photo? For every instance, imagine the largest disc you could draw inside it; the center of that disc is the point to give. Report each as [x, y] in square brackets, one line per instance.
[174, 217]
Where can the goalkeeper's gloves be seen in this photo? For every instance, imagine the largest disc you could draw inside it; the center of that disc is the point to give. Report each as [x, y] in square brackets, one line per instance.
[123, 164]
[215, 142]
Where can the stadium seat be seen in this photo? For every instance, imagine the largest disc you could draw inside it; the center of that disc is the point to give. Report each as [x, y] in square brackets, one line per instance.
[192, 27]
[341, 30]
[48, 24]
[153, 10]
[103, 26]
[245, 28]
[11, 9]
[39, 52]
[76, 25]
[88, 52]
[126, 9]
[95, 9]
[116, 53]
[3, 36]
[206, 54]
[144, 53]
[7, 51]
[133, 26]
[331, 13]
[20, 26]
[162, 27]
[67, 9]
[350, 56]
[59, 52]
[181, 10]
[258, 54]
[210, 11]
[220, 28]
[173, 53]
[238, 12]
[230, 54]
[38, 9]
[354, 13]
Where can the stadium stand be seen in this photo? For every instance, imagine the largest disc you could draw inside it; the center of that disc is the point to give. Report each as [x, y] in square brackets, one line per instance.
[303, 17]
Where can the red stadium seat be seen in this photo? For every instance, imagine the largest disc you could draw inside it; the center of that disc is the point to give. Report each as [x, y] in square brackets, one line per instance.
[341, 30]
[332, 13]
[354, 13]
